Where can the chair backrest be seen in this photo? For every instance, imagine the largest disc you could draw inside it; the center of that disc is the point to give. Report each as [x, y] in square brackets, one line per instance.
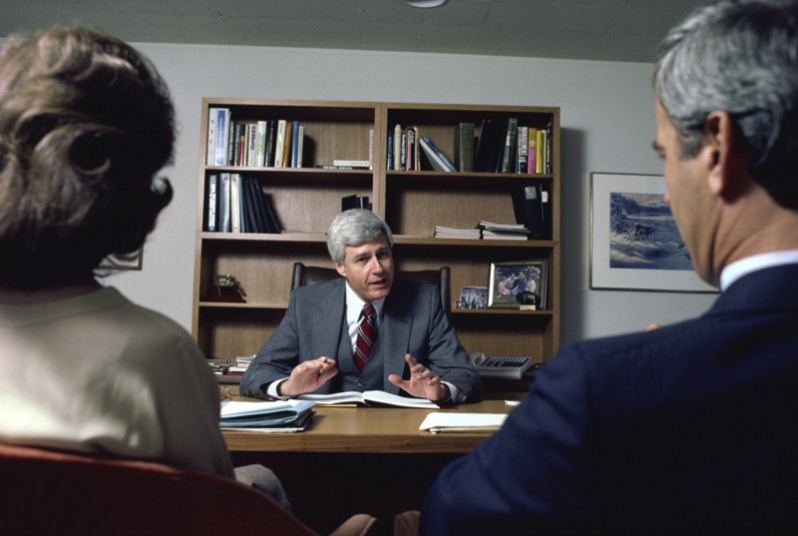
[53, 492]
[441, 278]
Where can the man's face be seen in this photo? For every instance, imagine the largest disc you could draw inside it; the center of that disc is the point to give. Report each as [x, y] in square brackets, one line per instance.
[368, 268]
[688, 195]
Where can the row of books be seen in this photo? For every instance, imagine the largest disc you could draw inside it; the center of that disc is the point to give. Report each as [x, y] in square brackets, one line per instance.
[408, 150]
[254, 143]
[235, 203]
[503, 146]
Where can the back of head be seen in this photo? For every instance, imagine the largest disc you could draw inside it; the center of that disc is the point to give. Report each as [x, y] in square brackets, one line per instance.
[739, 56]
[354, 227]
[86, 122]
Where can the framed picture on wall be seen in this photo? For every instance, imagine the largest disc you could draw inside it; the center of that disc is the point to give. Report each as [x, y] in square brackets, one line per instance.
[634, 241]
[518, 284]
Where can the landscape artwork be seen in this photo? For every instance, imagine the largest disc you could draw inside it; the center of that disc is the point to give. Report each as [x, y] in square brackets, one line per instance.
[635, 243]
[643, 233]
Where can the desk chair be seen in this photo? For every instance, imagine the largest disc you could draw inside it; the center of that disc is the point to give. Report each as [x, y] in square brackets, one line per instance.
[308, 275]
[54, 492]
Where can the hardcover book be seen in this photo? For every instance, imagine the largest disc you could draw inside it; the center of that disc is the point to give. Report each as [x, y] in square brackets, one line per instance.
[464, 147]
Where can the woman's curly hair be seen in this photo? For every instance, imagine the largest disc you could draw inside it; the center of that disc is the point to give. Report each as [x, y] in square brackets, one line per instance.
[86, 122]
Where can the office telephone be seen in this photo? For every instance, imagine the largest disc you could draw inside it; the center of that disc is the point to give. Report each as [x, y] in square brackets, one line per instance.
[491, 366]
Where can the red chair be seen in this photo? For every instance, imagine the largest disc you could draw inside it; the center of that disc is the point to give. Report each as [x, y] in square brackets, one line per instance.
[53, 492]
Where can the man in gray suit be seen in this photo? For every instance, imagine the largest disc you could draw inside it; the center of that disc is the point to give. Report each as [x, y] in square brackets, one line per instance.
[410, 346]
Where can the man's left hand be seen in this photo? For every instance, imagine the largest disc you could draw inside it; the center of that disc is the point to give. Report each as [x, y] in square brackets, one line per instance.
[423, 383]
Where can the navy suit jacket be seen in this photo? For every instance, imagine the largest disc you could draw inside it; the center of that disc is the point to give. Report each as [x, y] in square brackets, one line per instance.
[689, 429]
[413, 321]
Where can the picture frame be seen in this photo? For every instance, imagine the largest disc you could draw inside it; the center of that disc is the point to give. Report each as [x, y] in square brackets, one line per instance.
[518, 284]
[634, 241]
[473, 298]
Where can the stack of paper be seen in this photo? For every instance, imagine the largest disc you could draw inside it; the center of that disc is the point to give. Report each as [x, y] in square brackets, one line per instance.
[470, 423]
[277, 416]
[454, 232]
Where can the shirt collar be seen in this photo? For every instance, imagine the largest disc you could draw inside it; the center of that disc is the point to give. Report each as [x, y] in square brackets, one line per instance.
[354, 304]
[738, 269]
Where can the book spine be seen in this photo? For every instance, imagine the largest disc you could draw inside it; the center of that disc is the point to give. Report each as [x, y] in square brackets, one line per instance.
[397, 147]
[288, 140]
[260, 159]
[231, 143]
[235, 202]
[352, 163]
[270, 142]
[371, 148]
[508, 155]
[280, 144]
[294, 143]
[211, 202]
[222, 117]
[464, 147]
[300, 146]
[539, 152]
[440, 154]
[531, 162]
[210, 157]
[389, 158]
[252, 144]
[224, 203]
[522, 150]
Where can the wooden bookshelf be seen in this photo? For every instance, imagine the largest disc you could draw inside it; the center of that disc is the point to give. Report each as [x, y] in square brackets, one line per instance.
[306, 199]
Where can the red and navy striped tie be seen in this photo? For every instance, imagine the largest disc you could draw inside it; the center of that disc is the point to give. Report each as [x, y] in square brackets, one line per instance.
[366, 334]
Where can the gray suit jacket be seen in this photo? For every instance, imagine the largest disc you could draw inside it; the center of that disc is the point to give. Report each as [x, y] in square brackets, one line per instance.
[413, 322]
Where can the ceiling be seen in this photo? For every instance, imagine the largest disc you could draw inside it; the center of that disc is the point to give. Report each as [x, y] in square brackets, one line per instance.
[613, 30]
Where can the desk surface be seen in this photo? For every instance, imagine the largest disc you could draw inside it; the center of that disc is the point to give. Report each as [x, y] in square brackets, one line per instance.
[369, 430]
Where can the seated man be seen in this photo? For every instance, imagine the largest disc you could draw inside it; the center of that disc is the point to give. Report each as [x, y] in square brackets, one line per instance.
[409, 344]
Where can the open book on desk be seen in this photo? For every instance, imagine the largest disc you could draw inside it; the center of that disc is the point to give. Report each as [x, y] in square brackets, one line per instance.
[468, 423]
[370, 398]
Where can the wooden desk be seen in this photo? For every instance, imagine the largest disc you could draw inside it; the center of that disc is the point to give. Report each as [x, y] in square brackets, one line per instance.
[366, 430]
[351, 460]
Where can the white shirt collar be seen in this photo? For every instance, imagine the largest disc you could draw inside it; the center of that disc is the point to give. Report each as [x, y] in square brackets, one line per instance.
[354, 304]
[738, 269]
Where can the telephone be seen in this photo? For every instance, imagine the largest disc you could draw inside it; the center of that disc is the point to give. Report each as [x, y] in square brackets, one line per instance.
[512, 367]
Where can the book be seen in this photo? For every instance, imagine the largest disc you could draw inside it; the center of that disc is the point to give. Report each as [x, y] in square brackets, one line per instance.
[522, 150]
[210, 149]
[471, 423]
[454, 232]
[397, 150]
[509, 150]
[225, 225]
[235, 202]
[435, 157]
[294, 143]
[370, 398]
[464, 147]
[529, 199]
[389, 157]
[235, 414]
[354, 201]
[532, 150]
[260, 156]
[271, 140]
[300, 146]
[351, 164]
[279, 148]
[288, 143]
[211, 203]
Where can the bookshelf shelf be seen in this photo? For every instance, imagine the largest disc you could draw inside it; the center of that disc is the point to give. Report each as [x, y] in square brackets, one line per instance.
[413, 202]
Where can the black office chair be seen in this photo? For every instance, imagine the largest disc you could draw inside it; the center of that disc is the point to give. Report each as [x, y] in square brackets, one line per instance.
[441, 278]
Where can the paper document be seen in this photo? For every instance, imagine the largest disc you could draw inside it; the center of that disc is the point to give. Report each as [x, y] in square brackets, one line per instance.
[438, 422]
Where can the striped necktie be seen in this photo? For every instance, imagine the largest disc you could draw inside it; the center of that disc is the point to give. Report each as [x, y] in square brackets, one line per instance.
[366, 334]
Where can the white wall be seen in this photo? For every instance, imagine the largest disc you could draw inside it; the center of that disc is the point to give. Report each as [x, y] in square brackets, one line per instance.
[607, 121]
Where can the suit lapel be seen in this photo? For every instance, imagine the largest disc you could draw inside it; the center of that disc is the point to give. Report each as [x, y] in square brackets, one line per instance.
[329, 318]
[394, 335]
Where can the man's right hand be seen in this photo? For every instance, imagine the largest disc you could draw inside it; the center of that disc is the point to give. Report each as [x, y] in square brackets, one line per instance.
[308, 376]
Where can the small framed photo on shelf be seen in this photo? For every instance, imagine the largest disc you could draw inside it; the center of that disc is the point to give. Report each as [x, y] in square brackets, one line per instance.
[473, 298]
[518, 284]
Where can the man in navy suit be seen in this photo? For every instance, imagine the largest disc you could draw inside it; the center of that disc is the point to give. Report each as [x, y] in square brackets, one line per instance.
[415, 352]
[690, 428]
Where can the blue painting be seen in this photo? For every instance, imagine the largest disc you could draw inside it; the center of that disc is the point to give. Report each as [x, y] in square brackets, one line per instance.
[643, 234]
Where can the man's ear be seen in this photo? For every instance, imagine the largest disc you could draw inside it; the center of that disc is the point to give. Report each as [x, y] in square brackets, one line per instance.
[722, 153]
[339, 267]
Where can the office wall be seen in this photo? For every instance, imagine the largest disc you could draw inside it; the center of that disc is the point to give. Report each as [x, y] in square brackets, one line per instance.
[607, 124]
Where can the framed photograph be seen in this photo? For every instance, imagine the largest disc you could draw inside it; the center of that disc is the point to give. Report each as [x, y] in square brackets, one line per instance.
[473, 298]
[634, 241]
[518, 285]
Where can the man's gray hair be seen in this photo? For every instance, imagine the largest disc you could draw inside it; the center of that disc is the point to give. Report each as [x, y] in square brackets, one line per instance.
[740, 56]
[354, 227]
